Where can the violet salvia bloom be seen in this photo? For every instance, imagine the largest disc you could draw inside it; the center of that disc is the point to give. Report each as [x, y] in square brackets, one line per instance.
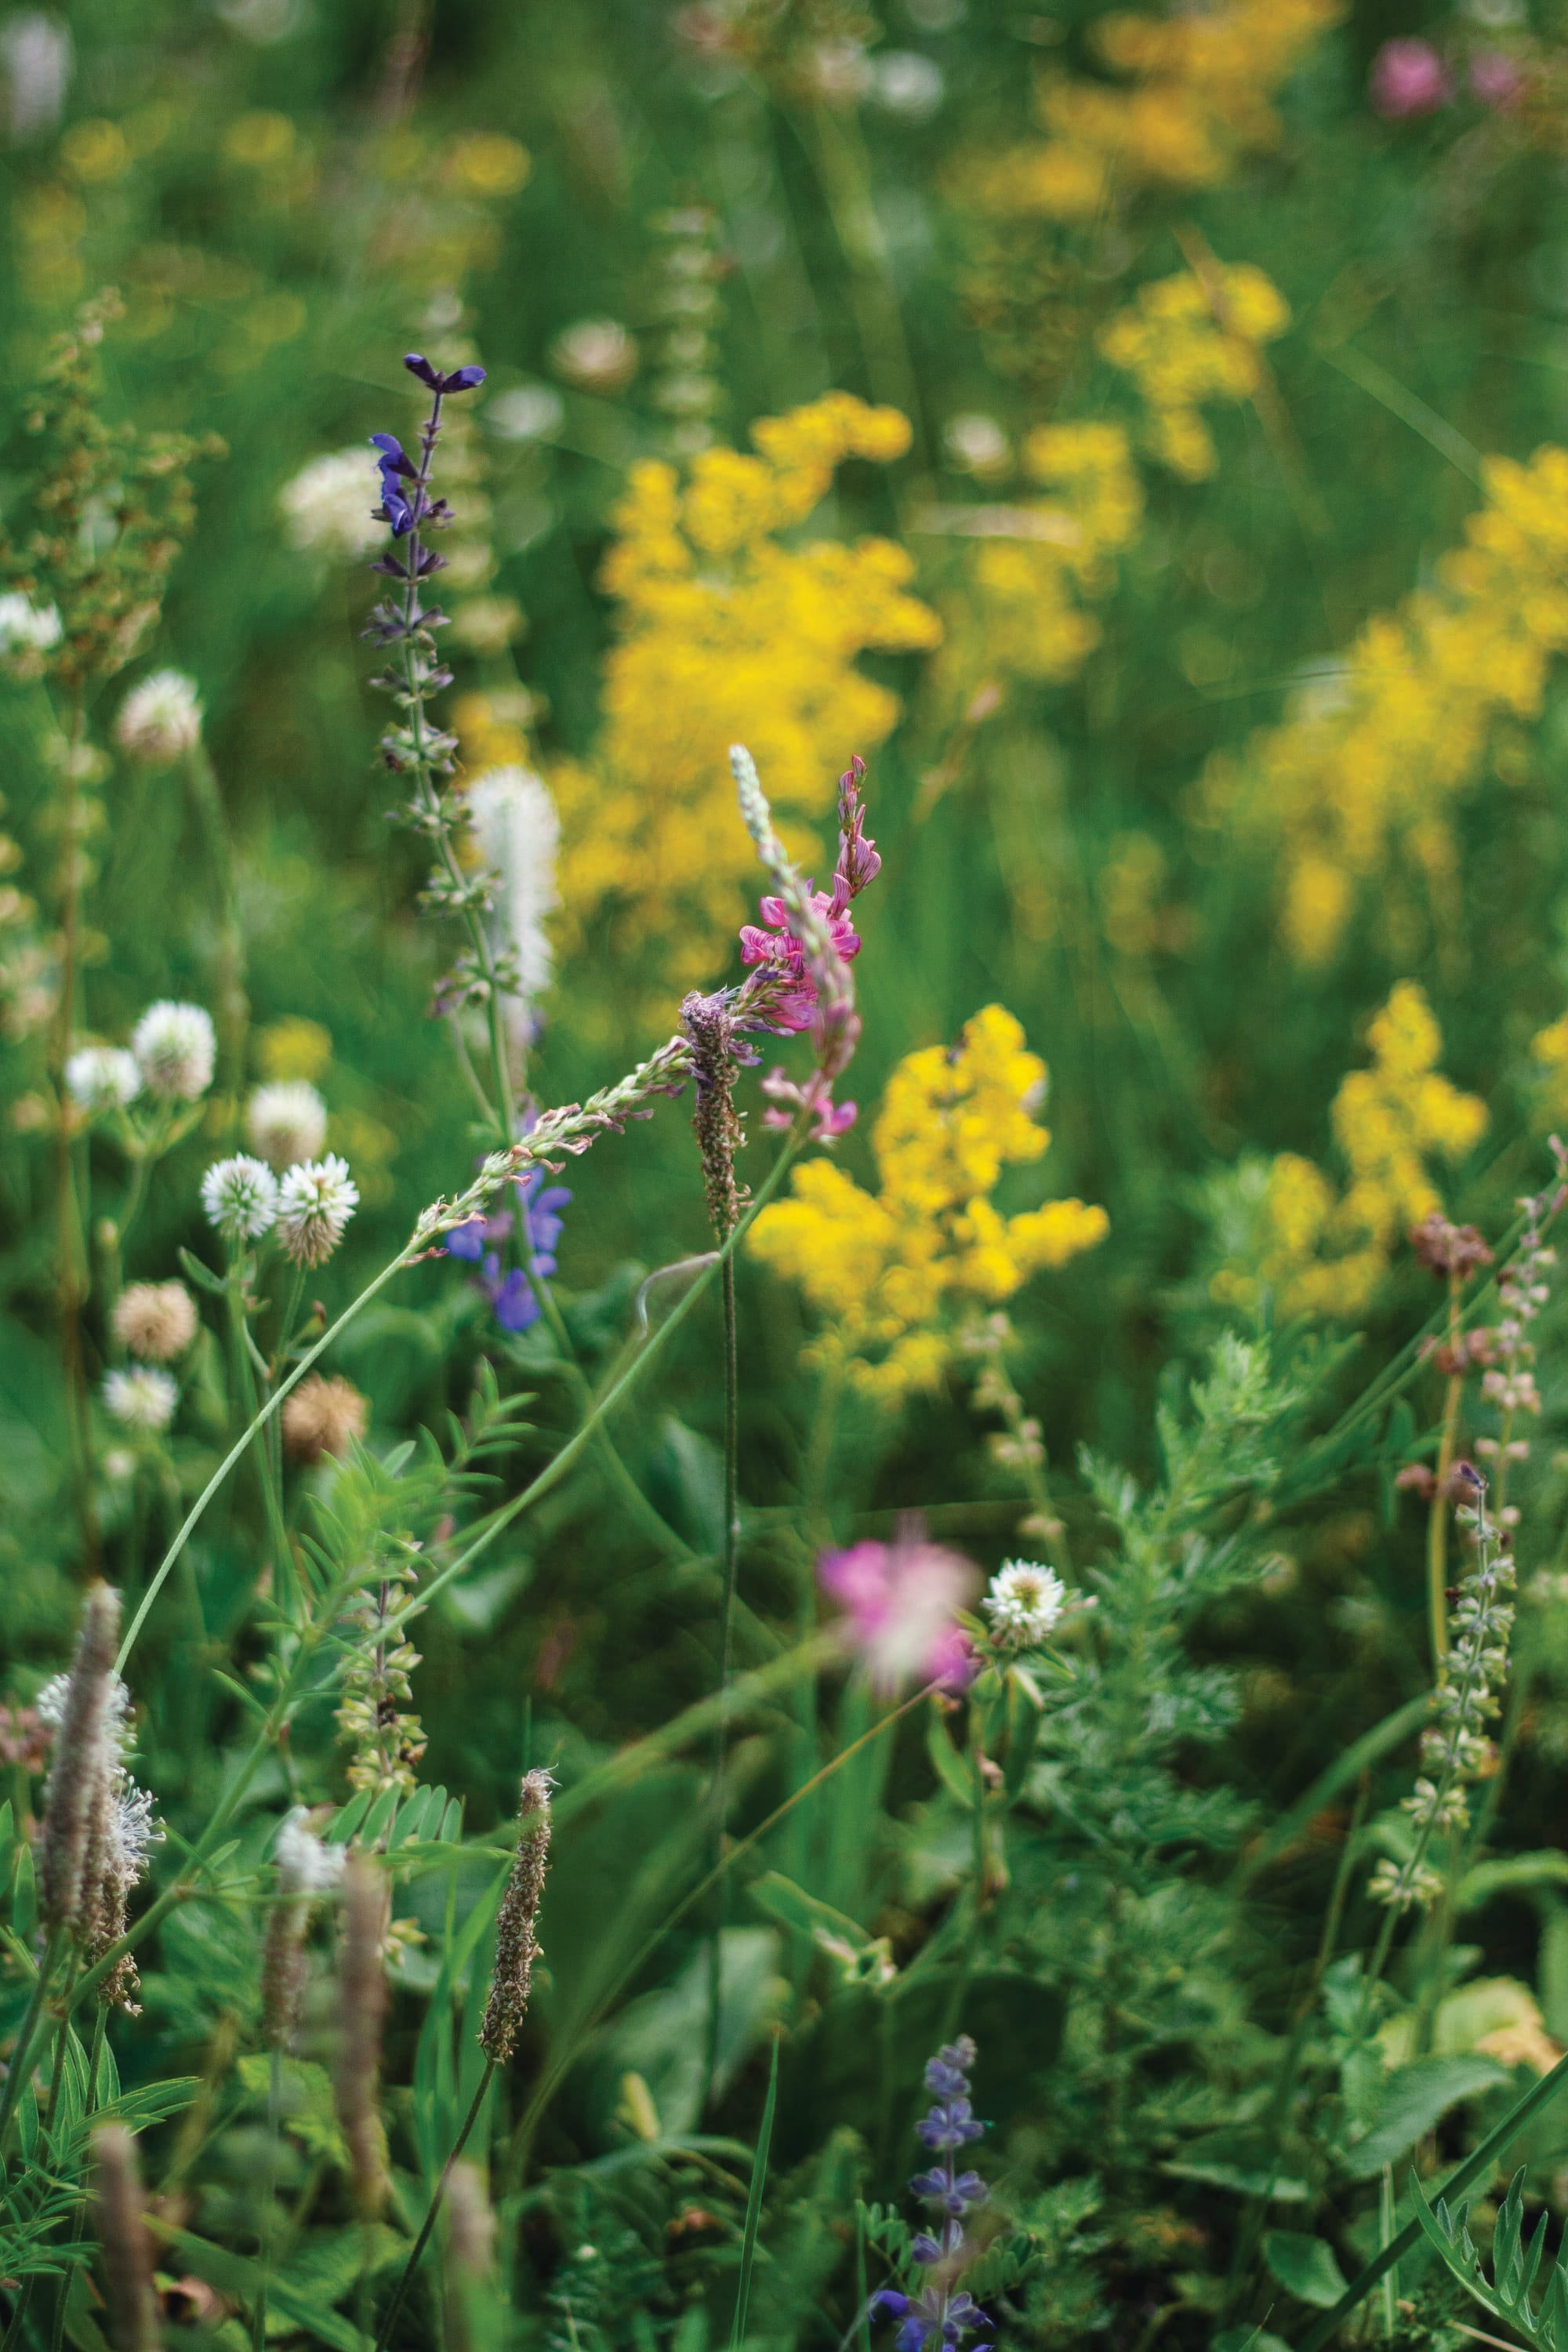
[463, 379]
[937, 2314]
[396, 469]
[511, 1294]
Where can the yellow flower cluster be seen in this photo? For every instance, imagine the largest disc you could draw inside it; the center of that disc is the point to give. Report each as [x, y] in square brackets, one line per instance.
[1350, 777]
[886, 1269]
[1184, 342]
[1023, 610]
[1549, 1048]
[1318, 1253]
[1195, 100]
[729, 633]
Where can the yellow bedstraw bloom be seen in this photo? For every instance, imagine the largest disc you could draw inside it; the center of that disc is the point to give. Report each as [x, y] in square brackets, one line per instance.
[1318, 1253]
[1030, 583]
[1195, 98]
[1372, 767]
[892, 1273]
[1181, 347]
[729, 633]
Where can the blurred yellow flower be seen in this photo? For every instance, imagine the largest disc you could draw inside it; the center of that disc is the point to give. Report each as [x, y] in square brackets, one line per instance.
[259, 139]
[1318, 1253]
[294, 1049]
[890, 1273]
[95, 150]
[1370, 765]
[487, 164]
[729, 633]
[1193, 101]
[1183, 346]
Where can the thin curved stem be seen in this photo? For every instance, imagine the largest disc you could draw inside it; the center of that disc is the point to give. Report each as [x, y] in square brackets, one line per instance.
[405, 2277]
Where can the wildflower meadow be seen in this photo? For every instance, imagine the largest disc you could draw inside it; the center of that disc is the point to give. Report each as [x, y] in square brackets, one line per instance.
[784, 1109]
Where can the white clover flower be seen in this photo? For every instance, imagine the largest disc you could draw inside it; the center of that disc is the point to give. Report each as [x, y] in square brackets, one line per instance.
[36, 51]
[908, 84]
[306, 1865]
[239, 1196]
[141, 1398]
[315, 1202]
[154, 1320]
[976, 443]
[286, 1121]
[26, 627]
[176, 1046]
[595, 354]
[102, 1077]
[1023, 1602]
[517, 830]
[328, 507]
[161, 719]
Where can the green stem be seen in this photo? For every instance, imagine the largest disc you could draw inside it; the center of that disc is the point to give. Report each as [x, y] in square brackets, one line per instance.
[20, 2073]
[726, 1622]
[422, 2241]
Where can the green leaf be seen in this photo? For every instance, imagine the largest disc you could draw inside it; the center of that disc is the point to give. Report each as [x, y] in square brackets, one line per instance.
[380, 1817]
[1304, 2266]
[1511, 1874]
[861, 1958]
[1417, 2098]
[754, 2202]
[24, 1895]
[955, 1772]
[346, 1821]
[1249, 2163]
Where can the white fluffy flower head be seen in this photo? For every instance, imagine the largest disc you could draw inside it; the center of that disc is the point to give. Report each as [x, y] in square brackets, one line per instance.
[305, 1865]
[102, 1077]
[154, 1320]
[160, 718]
[1023, 1602]
[131, 1829]
[517, 831]
[315, 1202]
[175, 1047]
[327, 506]
[141, 1398]
[26, 627]
[286, 1122]
[240, 1197]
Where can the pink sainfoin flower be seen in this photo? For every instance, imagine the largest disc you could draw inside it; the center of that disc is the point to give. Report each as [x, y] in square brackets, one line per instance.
[901, 1603]
[1495, 80]
[1408, 77]
[805, 984]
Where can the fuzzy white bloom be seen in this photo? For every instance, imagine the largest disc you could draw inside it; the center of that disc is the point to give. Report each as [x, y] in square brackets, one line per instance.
[176, 1046]
[36, 51]
[26, 627]
[315, 1202]
[141, 1398]
[286, 1122]
[239, 1196]
[102, 1077]
[131, 1830]
[1023, 1602]
[160, 718]
[328, 507]
[976, 443]
[595, 354]
[154, 1320]
[517, 832]
[906, 84]
[305, 1865]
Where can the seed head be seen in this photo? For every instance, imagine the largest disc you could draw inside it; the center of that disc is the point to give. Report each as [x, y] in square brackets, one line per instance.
[323, 1416]
[91, 1707]
[361, 2011]
[516, 1949]
[120, 2220]
[154, 1320]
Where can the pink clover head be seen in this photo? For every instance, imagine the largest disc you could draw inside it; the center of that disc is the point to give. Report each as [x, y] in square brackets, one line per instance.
[901, 1603]
[1408, 77]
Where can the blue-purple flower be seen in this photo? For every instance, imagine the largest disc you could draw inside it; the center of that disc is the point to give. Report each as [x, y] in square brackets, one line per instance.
[461, 378]
[396, 467]
[934, 2315]
[512, 1296]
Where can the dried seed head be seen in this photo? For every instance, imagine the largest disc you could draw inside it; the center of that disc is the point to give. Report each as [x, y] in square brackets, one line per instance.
[709, 1022]
[121, 2229]
[87, 1760]
[362, 2012]
[323, 1416]
[516, 1949]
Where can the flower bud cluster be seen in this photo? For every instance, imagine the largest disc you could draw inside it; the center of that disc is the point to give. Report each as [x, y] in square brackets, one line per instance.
[1455, 1749]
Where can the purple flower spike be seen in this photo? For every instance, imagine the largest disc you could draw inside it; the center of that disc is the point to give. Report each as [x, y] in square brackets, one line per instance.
[939, 2315]
[516, 1308]
[461, 378]
[396, 469]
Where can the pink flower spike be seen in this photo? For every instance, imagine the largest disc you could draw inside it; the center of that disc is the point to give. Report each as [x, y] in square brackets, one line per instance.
[901, 1603]
[1408, 77]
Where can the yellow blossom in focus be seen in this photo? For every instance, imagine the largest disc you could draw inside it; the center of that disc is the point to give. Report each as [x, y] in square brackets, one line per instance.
[1372, 768]
[1183, 344]
[1317, 1252]
[890, 1273]
[1193, 100]
[294, 1049]
[728, 633]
